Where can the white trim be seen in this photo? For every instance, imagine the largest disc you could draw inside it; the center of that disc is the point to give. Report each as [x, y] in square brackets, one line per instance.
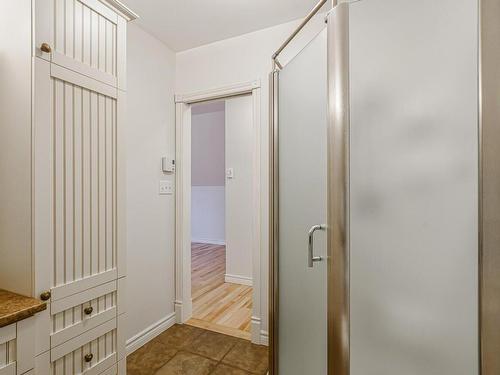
[78, 341]
[183, 301]
[102, 9]
[257, 199]
[255, 329]
[221, 92]
[209, 241]
[124, 10]
[66, 290]
[237, 279]
[78, 79]
[264, 338]
[82, 297]
[150, 333]
[68, 62]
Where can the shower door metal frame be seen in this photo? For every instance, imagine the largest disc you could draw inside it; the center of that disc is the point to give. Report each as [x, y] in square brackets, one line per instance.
[338, 153]
[273, 220]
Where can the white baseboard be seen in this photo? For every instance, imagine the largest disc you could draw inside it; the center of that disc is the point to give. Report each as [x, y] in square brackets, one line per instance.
[259, 336]
[255, 330]
[183, 311]
[236, 279]
[209, 241]
[150, 333]
[264, 338]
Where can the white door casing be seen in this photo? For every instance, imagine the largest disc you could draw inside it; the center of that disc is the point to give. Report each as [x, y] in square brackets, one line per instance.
[183, 301]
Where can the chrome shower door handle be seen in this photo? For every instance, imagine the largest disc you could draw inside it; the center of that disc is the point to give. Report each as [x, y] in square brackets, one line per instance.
[310, 254]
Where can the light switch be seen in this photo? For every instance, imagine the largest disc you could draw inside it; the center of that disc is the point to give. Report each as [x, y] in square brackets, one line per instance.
[166, 187]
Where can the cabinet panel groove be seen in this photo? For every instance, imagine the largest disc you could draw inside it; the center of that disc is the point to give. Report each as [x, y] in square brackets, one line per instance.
[86, 33]
[83, 182]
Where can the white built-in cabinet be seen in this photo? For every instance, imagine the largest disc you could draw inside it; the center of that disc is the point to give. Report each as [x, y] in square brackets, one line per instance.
[76, 171]
[17, 348]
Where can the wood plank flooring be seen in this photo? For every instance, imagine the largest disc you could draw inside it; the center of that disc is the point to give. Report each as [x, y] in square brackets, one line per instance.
[218, 306]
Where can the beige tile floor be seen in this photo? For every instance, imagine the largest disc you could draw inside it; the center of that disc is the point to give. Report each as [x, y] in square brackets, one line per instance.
[187, 350]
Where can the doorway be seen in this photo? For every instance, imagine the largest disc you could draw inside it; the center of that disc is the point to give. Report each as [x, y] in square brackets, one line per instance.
[218, 211]
[221, 174]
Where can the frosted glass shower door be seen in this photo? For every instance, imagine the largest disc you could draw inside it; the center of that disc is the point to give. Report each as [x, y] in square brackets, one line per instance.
[412, 227]
[302, 183]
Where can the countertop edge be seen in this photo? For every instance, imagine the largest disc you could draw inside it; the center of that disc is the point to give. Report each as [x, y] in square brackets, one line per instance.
[22, 314]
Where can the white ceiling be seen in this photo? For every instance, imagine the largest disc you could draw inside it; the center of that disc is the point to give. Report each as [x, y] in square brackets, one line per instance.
[184, 24]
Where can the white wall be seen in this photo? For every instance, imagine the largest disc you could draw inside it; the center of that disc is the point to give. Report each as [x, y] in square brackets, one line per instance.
[241, 59]
[240, 208]
[208, 173]
[150, 217]
[208, 217]
[15, 146]
[207, 145]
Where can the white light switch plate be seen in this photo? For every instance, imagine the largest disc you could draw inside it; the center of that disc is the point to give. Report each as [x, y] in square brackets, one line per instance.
[166, 187]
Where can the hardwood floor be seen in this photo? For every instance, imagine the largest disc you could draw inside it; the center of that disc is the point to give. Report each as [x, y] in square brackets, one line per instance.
[218, 306]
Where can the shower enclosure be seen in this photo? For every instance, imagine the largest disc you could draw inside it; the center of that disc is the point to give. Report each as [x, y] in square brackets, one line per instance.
[376, 201]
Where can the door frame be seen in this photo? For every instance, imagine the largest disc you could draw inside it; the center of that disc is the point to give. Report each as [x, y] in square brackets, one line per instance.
[183, 301]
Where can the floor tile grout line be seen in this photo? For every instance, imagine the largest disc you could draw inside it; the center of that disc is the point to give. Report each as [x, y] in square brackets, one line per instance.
[224, 356]
[206, 357]
[184, 348]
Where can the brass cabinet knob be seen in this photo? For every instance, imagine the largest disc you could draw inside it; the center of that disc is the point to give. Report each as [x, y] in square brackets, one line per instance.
[45, 47]
[88, 310]
[88, 357]
[45, 296]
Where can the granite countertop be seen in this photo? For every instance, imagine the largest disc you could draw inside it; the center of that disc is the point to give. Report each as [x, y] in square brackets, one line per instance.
[15, 307]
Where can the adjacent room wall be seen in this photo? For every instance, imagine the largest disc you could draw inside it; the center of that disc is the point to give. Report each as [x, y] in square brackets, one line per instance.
[208, 173]
[150, 216]
[240, 208]
[241, 59]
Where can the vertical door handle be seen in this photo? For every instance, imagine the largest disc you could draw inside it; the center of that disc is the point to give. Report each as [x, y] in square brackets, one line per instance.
[310, 253]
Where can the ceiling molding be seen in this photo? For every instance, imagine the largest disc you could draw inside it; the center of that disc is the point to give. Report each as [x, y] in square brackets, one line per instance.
[218, 93]
[125, 11]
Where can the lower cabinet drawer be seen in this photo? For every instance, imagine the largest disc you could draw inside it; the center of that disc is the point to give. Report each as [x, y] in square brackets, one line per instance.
[76, 314]
[92, 353]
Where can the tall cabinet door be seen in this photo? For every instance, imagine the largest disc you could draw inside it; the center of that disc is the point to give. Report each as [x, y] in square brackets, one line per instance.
[75, 155]
[82, 35]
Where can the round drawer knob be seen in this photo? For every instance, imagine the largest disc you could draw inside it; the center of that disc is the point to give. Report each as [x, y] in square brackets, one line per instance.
[45, 47]
[88, 357]
[88, 310]
[45, 296]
